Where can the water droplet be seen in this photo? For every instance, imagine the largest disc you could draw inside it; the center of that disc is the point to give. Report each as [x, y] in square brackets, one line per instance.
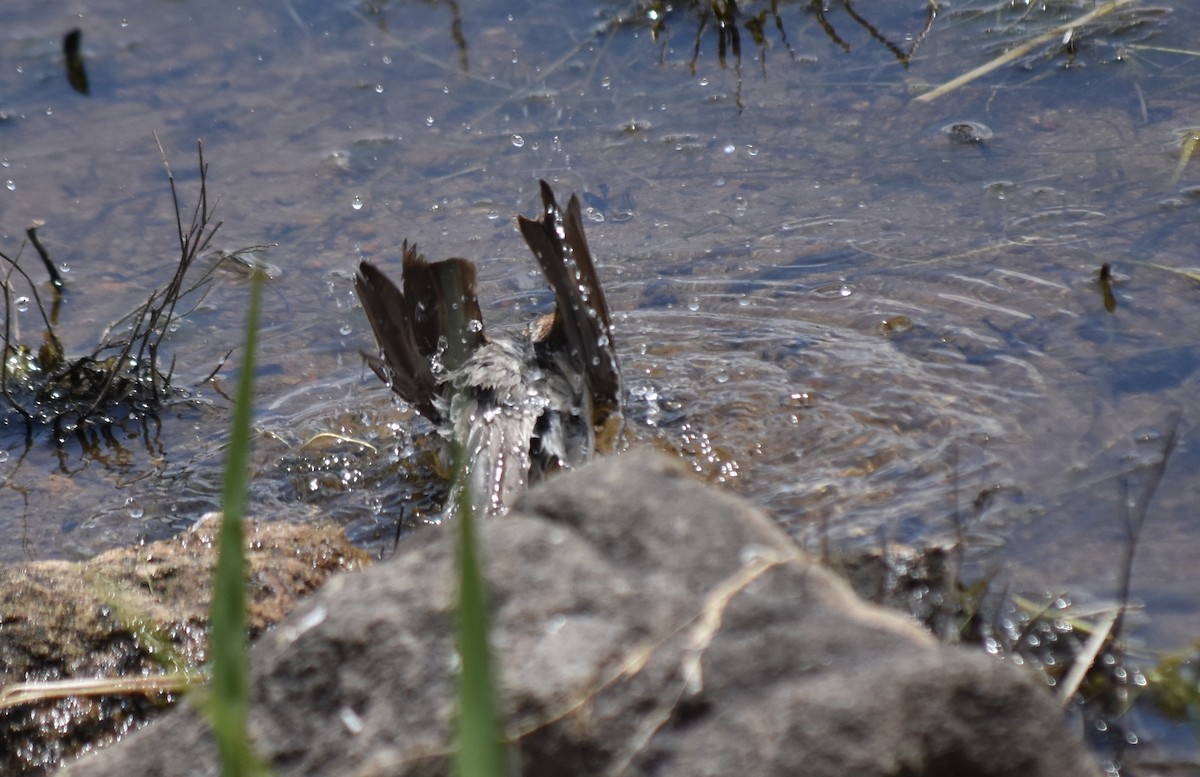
[428, 121]
[12, 187]
[345, 330]
[721, 377]
[351, 720]
[474, 325]
[378, 88]
[387, 60]
[22, 304]
[518, 141]
[357, 203]
[3, 456]
[729, 148]
[694, 304]
[134, 508]
[833, 291]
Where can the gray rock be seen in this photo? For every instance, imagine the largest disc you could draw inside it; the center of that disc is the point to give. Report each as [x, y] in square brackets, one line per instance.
[643, 625]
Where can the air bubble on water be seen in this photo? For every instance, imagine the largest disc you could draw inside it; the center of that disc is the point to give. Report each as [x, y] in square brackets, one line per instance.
[357, 203]
[3, 456]
[518, 141]
[134, 508]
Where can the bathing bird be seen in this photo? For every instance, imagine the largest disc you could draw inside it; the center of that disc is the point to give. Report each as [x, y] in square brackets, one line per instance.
[513, 409]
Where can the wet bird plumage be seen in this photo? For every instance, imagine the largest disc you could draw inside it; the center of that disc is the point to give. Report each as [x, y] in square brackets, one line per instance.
[517, 409]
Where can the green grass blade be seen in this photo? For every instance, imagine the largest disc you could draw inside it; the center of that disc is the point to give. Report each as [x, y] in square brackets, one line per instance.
[479, 751]
[227, 697]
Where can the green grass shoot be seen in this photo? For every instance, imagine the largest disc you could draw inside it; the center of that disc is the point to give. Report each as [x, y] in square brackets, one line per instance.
[479, 751]
[227, 696]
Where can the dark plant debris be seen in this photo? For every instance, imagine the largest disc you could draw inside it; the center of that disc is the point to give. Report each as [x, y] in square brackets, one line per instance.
[73, 54]
[126, 376]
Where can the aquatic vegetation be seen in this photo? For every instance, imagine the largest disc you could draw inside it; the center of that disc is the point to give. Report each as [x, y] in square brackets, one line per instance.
[126, 376]
[1083, 653]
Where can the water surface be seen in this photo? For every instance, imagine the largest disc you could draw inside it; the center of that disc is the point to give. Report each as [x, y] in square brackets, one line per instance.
[876, 318]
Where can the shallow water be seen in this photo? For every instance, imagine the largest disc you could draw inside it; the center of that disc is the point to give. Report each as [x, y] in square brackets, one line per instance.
[829, 297]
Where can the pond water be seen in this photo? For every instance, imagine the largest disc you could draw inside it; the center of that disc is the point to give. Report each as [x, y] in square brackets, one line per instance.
[878, 318]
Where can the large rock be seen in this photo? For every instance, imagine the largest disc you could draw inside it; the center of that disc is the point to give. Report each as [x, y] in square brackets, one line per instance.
[643, 625]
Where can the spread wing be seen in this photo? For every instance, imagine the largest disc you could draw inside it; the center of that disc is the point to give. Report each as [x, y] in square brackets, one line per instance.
[581, 331]
[436, 317]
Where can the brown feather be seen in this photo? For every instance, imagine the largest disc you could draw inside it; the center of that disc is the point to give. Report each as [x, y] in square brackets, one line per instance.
[582, 328]
[403, 365]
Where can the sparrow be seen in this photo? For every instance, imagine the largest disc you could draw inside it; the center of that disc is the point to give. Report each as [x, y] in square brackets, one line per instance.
[513, 409]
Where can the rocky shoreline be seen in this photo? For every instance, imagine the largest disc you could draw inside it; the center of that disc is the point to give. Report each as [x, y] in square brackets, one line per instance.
[135, 613]
[643, 624]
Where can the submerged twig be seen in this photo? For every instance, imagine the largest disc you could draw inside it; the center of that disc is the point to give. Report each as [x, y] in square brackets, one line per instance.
[1021, 50]
[55, 279]
[1087, 657]
[1136, 511]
